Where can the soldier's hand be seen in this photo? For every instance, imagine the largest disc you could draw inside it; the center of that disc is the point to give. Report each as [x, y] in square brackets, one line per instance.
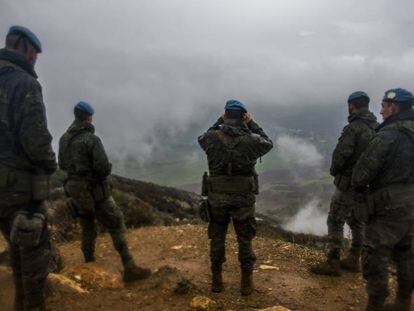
[247, 117]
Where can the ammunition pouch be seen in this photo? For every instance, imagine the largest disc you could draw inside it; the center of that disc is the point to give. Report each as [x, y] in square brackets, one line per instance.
[342, 182]
[101, 190]
[391, 197]
[204, 185]
[204, 211]
[81, 196]
[256, 184]
[232, 184]
[27, 229]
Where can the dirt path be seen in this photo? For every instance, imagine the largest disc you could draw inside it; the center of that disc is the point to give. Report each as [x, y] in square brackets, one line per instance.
[288, 283]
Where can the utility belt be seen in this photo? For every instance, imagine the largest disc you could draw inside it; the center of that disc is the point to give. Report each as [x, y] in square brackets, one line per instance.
[99, 189]
[83, 195]
[390, 197]
[231, 184]
[28, 185]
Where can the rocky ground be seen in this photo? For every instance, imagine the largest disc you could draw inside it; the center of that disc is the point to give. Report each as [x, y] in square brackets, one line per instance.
[179, 257]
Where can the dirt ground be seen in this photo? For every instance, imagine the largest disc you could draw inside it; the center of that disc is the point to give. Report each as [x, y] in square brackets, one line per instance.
[281, 275]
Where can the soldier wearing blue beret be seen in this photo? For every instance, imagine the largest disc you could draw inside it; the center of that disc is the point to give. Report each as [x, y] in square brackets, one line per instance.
[352, 142]
[26, 154]
[386, 170]
[233, 146]
[83, 157]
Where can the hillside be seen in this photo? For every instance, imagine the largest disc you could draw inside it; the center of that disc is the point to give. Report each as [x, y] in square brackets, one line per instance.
[166, 235]
[281, 275]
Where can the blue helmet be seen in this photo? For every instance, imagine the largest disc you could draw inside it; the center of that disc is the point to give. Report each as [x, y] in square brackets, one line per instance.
[398, 95]
[233, 104]
[34, 40]
[84, 106]
[357, 95]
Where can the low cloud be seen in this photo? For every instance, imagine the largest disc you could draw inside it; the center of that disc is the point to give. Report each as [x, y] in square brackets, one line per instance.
[298, 151]
[310, 219]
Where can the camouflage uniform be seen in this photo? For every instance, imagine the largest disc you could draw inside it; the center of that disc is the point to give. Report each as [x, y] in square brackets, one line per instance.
[352, 142]
[387, 167]
[83, 156]
[25, 152]
[232, 151]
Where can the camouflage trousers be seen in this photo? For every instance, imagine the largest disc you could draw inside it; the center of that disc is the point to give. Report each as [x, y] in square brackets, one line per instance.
[341, 211]
[108, 213]
[30, 265]
[386, 239]
[240, 210]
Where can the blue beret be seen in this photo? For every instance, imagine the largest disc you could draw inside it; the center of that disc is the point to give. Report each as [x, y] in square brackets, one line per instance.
[84, 106]
[358, 94]
[28, 34]
[398, 96]
[233, 104]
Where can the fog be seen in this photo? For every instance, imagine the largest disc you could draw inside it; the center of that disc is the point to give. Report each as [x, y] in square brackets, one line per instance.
[299, 152]
[143, 64]
[309, 219]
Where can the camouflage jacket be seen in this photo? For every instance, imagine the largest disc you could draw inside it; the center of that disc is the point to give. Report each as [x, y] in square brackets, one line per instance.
[389, 157]
[352, 142]
[82, 154]
[25, 142]
[233, 150]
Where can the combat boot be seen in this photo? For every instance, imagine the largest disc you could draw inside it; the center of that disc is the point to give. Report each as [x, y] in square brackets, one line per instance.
[18, 294]
[352, 262]
[89, 256]
[133, 273]
[18, 303]
[41, 307]
[331, 266]
[246, 286]
[217, 280]
[402, 304]
[376, 303]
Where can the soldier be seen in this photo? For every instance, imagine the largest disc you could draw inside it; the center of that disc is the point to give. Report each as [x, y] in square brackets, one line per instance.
[233, 146]
[83, 157]
[26, 161]
[352, 142]
[386, 169]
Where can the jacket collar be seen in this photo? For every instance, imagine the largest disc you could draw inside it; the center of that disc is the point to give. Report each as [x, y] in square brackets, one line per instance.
[17, 60]
[403, 116]
[81, 126]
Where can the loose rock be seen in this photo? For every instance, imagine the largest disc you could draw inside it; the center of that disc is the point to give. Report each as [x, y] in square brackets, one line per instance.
[94, 275]
[203, 303]
[275, 308]
[61, 283]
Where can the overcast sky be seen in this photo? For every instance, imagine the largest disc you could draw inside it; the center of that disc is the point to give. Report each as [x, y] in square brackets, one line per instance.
[144, 62]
